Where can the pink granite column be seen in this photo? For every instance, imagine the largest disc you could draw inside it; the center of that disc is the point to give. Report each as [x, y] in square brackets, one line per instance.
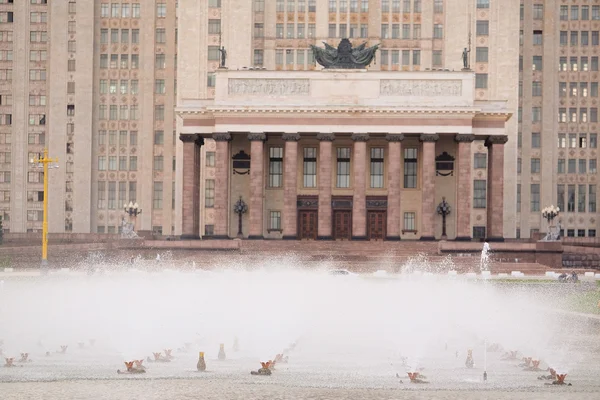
[290, 186]
[222, 205]
[359, 201]
[394, 185]
[464, 187]
[428, 187]
[495, 188]
[324, 184]
[190, 210]
[257, 185]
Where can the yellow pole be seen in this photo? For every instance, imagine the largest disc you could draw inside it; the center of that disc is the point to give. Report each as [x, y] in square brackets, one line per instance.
[45, 161]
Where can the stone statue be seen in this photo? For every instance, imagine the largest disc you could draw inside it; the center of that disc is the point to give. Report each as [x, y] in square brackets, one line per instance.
[223, 56]
[344, 57]
[465, 57]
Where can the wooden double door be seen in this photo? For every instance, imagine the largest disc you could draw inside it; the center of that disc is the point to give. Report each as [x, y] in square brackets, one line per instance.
[376, 224]
[308, 224]
[342, 224]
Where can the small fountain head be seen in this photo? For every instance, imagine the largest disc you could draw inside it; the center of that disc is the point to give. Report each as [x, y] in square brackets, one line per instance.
[201, 354]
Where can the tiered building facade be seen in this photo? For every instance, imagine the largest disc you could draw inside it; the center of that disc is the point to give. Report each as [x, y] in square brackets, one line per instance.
[96, 82]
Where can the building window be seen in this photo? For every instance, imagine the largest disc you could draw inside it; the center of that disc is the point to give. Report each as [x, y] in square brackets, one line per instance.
[310, 167]
[535, 165]
[377, 167]
[275, 220]
[210, 158]
[593, 166]
[479, 193]
[535, 197]
[161, 10]
[537, 63]
[479, 232]
[275, 167]
[481, 81]
[343, 167]
[560, 197]
[480, 160]
[518, 197]
[437, 58]
[158, 163]
[481, 54]
[410, 168]
[536, 89]
[483, 28]
[561, 166]
[536, 140]
[570, 198]
[438, 31]
[592, 199]
[538, 11]
[581, 200]
[157, 196]
[214, 27]
[409, 221]
[572, 166]
[209, 193]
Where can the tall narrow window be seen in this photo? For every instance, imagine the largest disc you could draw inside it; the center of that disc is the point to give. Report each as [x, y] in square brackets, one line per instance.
[535, 197]
[518, 197]
[310, 167]
[409, 221]
[560, 197]
[571, 198]
[377, 167]
[581, 201]
[275, 167]
[410, 168]
[157, 196]
[479, 193]
[343, 167]
[275, 220]
[209, 193]
[592, 199]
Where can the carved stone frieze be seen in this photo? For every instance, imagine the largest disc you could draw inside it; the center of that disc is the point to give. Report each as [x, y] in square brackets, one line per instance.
[426, 137]
[275, 87]
[328, 137]
[360, 137]
[221, 136]
[257, 136]
[496, 139]
[394, 138]
[195, 138]
[290, 137]
[420, 87]
[464, 138]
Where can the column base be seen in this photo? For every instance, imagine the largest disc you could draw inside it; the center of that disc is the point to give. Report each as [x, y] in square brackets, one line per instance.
[256, 237]
[495, 239]
[189, 237]
[393, 238]
[427, 238]
[360, 238]
[324, 237]
[218, 237]
[463, 239]
[290, 237]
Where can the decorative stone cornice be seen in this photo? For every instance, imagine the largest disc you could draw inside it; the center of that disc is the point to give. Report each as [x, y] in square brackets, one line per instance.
[394, 138]
[290, 137]
[221, 136]
[193, 138]
[464, 138]
[496, 139]
[257, 137]
[360, 137]
[428, 137]
[327, 137]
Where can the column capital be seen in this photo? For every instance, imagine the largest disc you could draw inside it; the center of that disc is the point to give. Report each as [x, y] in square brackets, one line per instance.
[461, 138]
[257, 137]
[394, 138]
[221, 136]
[290, 137]
[429, 137]
[193, 138]
[326, 137]
[360, 137]
[496, 139]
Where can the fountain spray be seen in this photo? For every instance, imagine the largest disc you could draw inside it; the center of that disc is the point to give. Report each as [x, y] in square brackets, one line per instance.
[485, 360]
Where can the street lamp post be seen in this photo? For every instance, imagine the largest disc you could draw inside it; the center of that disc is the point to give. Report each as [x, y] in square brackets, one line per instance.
[240, 208]
[44, 161]
[133, 210]
[443, 209]
[549, 213]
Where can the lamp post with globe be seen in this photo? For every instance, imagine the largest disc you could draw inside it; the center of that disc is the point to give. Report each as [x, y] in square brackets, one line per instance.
[444, 209]
[240, 208]
[549, 213]
[132, 210]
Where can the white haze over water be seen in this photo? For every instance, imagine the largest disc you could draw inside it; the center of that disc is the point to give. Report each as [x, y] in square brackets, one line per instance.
[335, 320]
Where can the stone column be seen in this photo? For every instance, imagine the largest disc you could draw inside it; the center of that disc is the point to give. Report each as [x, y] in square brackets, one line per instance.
[190, 209]
[359, 201]
[290, 186]
[428, 187]
[257, 185]
[222, 205]
[464, 187]
[324, 177]
[495, 188]
[394, 185]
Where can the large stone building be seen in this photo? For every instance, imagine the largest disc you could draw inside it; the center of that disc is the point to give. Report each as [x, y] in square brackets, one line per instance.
[96, 82]
[349, 154]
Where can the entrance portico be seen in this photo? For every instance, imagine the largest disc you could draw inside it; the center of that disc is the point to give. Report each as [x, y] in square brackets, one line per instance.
[347, 154]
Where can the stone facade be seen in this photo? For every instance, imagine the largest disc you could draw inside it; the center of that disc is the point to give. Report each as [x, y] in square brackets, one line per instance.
[321, 168]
